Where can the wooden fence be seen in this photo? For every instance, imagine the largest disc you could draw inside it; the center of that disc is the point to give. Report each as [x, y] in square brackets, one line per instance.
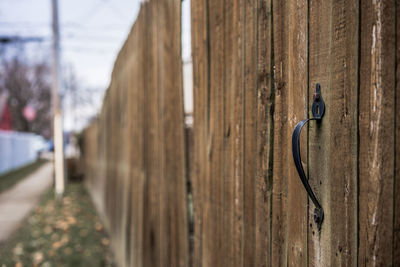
[255, 67]
[134, 152]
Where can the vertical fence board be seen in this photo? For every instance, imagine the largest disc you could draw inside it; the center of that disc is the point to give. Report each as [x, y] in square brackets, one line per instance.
[229, 58]
[237, 132]
[263, 190]
[174, 183]
[215, 135]
[200, 95]
[377, 120]
[296, 108]
[129, 151]
[333, 142]
[320, 34]
[250, 130]
[396, 204]
[151, 154]
[137, 159]
[233, 125]
[281, 156]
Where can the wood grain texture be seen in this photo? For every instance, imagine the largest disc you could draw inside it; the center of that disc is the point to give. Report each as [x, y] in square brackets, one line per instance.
[333, 142]
[215, 135]
[281, 144]
[250, 90]
[265, 109]
[377, 122]
[296, 103]
[230, 57]
[151, 155]
[396, 193]
[141, 144]
[233, 116]
[199, 22]
[255, 67]
[175, 240]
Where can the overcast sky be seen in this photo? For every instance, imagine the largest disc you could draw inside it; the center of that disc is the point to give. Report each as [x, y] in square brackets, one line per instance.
[92, 32]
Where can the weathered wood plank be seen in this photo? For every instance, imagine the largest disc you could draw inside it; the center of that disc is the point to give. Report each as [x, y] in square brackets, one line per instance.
[377, 143]
[175, 239]
[230, 56]
[333, 36]
[164, 198]
[128, 153]
[250, 130]
[320, 34]
[263, 190]
[296, 107]
[199, 21]
[137, 159]
[135, 136]
[396, 221]
[151, 233]
[124, 169]
[281, 143]
[237, 131]
[215, 140]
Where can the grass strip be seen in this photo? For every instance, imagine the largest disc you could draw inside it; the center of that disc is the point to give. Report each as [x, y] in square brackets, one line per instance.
[64, 232]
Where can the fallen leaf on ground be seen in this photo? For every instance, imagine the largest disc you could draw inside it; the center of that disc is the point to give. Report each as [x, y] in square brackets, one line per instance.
[62, 225]
[18, 250]
[105, 241]
[38, 257]
[64, 239]
[48, 230]
[99, 227]
[56, 245]
[71, 220]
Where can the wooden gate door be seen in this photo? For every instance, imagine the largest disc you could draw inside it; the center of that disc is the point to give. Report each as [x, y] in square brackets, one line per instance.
[256, 66]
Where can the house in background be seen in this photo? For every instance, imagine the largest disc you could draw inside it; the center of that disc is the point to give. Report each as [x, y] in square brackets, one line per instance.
[5, 112]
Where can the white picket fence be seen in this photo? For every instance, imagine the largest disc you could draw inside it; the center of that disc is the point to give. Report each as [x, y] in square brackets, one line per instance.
[18, 149]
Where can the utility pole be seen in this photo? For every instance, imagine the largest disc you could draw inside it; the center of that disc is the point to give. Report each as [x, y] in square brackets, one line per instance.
[57, 112]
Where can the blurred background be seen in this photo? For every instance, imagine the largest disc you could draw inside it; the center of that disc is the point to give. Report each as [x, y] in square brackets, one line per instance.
[91, 34]
[76, 49]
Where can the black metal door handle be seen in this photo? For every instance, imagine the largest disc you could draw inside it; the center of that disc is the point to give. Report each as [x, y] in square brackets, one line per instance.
[318, 109]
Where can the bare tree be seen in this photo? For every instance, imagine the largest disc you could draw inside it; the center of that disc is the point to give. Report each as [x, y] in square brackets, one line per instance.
[28, 85]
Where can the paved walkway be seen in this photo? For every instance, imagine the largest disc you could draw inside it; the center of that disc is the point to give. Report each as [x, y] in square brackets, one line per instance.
[18, 201]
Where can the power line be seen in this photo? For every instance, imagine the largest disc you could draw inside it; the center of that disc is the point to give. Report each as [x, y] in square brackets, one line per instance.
[92, 12]
[19, 39]
[115, 10]
[66, 25]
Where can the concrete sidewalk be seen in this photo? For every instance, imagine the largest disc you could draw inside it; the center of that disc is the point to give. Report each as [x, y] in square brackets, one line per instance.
[18, 201]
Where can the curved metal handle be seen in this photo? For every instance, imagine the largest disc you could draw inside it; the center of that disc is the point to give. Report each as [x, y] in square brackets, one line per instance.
[318, 109]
